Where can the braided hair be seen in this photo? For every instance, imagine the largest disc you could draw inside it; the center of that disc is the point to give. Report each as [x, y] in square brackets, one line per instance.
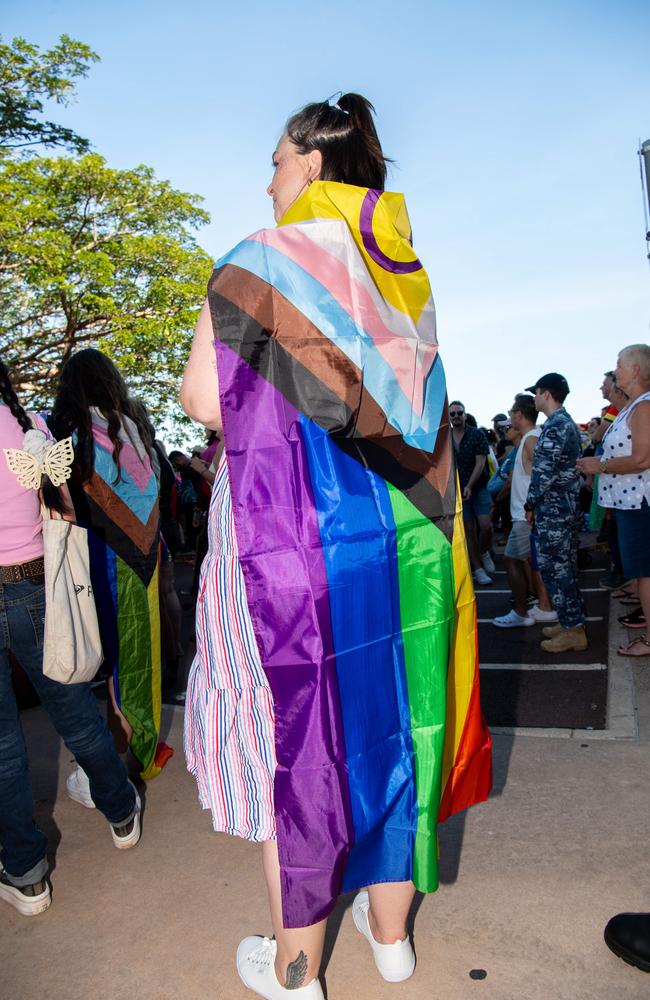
[51, 495]
[90, 379]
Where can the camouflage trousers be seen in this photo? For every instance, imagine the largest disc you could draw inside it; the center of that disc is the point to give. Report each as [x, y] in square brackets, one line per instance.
[556, 544]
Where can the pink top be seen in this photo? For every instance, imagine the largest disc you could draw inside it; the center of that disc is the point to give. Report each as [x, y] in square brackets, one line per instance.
[21, 537]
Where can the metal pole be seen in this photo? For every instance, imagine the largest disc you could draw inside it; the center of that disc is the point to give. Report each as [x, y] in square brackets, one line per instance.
[644, 154]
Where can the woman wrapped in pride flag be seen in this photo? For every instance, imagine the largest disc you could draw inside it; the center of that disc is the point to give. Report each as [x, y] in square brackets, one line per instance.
[115, 495]
[333, 707]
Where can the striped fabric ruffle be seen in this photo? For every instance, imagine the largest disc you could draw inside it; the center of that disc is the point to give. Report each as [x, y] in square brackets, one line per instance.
[229, 718]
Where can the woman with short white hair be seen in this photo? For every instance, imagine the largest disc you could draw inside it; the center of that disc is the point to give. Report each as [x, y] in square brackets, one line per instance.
[624, 483]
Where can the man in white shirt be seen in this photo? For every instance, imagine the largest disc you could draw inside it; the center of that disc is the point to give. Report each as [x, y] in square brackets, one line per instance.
[523, 416]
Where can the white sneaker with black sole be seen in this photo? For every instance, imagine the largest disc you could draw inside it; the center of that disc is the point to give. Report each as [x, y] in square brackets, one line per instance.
[256, 968]
[78, 788]
[128, 836]
[395, 962]
[513, 620]
[29, 900]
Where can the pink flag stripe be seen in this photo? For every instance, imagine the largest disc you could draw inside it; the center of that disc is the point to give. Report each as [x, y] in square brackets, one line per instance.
[409, 358]
[129, 459]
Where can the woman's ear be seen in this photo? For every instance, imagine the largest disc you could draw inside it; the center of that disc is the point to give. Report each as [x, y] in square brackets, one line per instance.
[315, 161]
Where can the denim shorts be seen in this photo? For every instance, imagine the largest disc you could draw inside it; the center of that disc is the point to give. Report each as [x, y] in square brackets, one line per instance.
[633, 527]
[478, 505]
[518, 544]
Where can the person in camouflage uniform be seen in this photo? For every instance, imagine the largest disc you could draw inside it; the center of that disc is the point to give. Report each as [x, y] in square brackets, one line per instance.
[552, 505]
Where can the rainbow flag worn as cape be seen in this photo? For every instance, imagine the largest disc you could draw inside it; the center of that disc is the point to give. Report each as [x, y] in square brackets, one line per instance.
[350, 536]
[122, 517]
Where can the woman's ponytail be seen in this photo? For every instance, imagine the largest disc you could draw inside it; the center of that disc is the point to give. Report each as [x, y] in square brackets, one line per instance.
[345, 135]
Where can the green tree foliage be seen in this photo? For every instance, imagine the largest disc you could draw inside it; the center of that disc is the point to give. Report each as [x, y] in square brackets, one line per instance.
[91, 256]
[27, 76]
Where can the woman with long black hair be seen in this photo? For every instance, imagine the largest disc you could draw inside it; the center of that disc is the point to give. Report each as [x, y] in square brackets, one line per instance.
[72, 707]
[115, 495]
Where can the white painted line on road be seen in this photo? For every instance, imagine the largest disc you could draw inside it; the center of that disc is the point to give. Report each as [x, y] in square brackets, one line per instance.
[545, 667]
[592, 569]
[583, 590]
[486, 621]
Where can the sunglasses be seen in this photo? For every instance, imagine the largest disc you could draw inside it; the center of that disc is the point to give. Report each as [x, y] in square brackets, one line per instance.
[456, 413]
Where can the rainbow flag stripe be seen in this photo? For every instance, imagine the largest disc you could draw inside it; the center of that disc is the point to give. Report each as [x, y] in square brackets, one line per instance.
[122, 517]
[350, 536]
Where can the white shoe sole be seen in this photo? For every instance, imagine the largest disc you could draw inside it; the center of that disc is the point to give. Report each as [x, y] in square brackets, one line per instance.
[27, 906]
[528, 624]
[124, 843]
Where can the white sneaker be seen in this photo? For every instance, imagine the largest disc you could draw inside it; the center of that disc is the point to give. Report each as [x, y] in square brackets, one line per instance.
[128, 836]
[536, 613]
[78, 788]
[256, 968]
[488, 563]
[513, 620]
[480, 576]
[395, 962]
[29, 900]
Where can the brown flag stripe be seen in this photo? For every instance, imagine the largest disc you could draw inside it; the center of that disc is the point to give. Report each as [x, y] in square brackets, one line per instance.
[142, 535]
[301, 339]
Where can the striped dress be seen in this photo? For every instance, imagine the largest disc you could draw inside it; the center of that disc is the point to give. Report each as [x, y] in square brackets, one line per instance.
[229, 719]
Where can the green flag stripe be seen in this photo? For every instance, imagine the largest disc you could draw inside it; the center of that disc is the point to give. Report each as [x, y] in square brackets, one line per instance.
[426, 589]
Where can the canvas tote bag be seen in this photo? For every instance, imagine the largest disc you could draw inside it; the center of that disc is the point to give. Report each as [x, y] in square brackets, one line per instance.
[72, 648]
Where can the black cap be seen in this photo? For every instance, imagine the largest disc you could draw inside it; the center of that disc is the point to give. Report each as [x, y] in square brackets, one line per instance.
[551, 381]
[499, 416]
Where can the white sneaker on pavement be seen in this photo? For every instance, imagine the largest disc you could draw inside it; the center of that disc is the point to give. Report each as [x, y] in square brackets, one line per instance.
[480, 576]
[128, 836]
[256, 968]
[536, 613]
[29, 900]
[513, 620]
[395, 962]
[78, 788]
[488, 562]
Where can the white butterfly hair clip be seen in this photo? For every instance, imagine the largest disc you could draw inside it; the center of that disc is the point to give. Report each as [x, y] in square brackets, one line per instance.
[40, 457]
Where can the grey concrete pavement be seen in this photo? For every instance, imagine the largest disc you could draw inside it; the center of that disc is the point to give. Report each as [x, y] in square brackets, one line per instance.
[528, 881]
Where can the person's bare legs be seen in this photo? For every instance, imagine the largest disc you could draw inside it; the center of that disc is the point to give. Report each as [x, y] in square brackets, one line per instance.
[471, 535]
[300, 949]
[390, 903]
[517, 579]
[485, 533]
[543, 600]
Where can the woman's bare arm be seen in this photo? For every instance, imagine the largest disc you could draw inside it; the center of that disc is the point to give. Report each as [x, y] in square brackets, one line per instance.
[200, 388]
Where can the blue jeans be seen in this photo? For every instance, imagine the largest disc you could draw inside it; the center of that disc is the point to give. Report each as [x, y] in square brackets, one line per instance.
[74, 712]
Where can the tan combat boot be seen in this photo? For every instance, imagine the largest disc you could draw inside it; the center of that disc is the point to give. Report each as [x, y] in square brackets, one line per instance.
[567, 639]
[552, 630]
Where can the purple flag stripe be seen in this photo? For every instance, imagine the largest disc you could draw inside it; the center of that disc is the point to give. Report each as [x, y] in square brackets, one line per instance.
[273, 500]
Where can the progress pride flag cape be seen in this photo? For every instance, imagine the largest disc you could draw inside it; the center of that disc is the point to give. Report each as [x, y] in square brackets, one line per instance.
[350, 536]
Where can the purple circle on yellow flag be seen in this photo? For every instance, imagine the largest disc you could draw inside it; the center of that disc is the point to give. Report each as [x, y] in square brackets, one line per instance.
[370, 242]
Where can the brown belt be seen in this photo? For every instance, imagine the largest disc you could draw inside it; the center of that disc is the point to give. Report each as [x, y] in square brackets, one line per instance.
[22, 571]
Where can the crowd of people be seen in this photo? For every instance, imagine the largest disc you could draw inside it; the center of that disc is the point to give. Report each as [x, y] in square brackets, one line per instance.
[303, 531]
[551, 482]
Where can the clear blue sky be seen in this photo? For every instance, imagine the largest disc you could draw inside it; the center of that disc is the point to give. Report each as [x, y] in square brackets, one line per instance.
[514, 128]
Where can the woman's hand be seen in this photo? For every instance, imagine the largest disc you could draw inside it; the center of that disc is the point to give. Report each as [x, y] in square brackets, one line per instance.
[590, 466]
